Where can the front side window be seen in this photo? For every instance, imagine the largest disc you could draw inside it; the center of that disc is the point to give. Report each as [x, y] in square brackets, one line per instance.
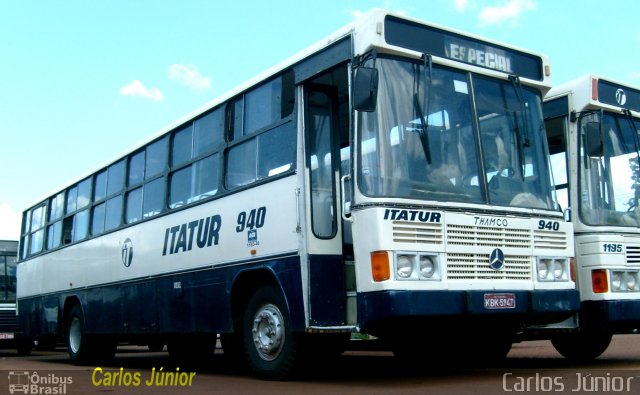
[609, 170]
[422, 142]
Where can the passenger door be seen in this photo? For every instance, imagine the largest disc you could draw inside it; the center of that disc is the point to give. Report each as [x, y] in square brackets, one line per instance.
[324, 231]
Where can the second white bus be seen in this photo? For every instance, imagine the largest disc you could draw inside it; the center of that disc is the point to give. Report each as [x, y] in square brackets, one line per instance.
[592, 125]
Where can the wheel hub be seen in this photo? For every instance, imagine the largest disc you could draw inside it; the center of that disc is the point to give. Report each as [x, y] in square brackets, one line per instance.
[75, 334]
[268, 332]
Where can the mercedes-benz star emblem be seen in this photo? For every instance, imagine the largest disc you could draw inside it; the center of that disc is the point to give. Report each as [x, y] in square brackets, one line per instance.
[496, 259]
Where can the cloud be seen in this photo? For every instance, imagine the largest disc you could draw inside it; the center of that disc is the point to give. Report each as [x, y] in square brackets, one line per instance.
[137, 88]
[460, 5]
[190, 76]
[508, 11]
[9, 223]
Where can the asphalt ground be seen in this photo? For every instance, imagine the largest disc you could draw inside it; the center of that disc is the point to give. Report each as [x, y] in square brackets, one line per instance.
[530, 367]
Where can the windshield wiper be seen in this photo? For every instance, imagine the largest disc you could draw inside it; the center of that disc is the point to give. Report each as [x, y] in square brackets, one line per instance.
[424, 125]
[523, 140]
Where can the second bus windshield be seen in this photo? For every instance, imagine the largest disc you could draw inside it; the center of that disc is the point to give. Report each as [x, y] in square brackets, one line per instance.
[422, 142]
[610, 179]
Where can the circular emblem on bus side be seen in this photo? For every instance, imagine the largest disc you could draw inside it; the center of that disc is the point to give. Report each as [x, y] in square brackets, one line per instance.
[496, 259]
[621, 97]
[127, 252]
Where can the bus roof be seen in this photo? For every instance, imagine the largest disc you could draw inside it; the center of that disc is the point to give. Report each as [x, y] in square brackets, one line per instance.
[595, 91]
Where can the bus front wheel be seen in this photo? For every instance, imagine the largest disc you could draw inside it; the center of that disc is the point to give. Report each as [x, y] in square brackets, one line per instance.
[582, 346]
[270, 346]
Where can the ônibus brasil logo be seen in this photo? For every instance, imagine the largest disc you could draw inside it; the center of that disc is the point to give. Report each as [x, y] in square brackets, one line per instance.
[35, 383]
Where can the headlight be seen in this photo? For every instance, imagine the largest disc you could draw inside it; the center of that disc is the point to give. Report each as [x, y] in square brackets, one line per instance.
[553, 269]
[543, 269]
[404, 266]
[417, 266]
[616, 281]
[427, 266]
[559, 269]
[632, 281]
[624, 281]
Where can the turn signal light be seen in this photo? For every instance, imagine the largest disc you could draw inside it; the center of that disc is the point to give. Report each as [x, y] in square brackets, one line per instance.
[380, 266]
[599, 281]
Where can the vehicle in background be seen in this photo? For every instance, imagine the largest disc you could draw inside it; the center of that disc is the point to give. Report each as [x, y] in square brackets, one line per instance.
[8, 318]
[592, 126]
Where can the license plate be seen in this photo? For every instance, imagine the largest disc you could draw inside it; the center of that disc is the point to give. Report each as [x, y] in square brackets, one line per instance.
[6, 336]
[499, 301]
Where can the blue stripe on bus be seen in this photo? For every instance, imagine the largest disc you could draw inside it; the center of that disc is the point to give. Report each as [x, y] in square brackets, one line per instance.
[376, 307]
[186, 302]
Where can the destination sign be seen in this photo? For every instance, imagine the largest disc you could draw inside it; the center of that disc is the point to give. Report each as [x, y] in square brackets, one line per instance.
[618, 95]
[438, 42]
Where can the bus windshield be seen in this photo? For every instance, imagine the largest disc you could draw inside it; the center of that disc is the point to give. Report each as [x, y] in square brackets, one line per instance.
[421, 142]
[610, 178]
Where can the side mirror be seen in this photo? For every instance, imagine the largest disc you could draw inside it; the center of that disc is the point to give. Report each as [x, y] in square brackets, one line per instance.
[593, 136]
[365, 89]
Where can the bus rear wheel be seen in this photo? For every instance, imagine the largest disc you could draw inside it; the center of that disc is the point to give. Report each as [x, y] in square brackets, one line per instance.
[271, 348]
[582, 346]
[83, 348]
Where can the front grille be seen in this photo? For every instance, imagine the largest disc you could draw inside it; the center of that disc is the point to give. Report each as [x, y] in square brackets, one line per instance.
[474, 236]
[549, 239]
[417, 232]
[633, 255]
[8, 321]
[476, 267]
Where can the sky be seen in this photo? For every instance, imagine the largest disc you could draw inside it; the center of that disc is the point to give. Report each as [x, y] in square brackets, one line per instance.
[81, 82]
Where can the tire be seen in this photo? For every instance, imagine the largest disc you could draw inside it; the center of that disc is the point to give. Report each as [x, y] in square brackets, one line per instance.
[270, 347]
[582, 346]
[24, 345]
[85, 349]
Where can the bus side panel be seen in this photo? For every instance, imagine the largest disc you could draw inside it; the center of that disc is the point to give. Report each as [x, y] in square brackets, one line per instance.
[190, 302]
[39, 315]
[193, 302]
[327, 290]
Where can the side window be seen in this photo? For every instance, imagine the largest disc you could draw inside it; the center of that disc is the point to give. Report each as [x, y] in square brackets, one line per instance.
[196, 177]
[107, 196]
[146, 182]
[272, 150]
[11, 279]
[556, 128]
[33, 240]
[267, 155]
[75, 226]
[54, 230]
[235, 118]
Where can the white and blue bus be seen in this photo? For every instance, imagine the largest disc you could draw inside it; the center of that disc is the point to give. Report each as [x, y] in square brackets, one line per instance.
[592, 125]
[393, 179]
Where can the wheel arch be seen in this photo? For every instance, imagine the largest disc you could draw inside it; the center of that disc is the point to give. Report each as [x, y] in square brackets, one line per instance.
[248, 281]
